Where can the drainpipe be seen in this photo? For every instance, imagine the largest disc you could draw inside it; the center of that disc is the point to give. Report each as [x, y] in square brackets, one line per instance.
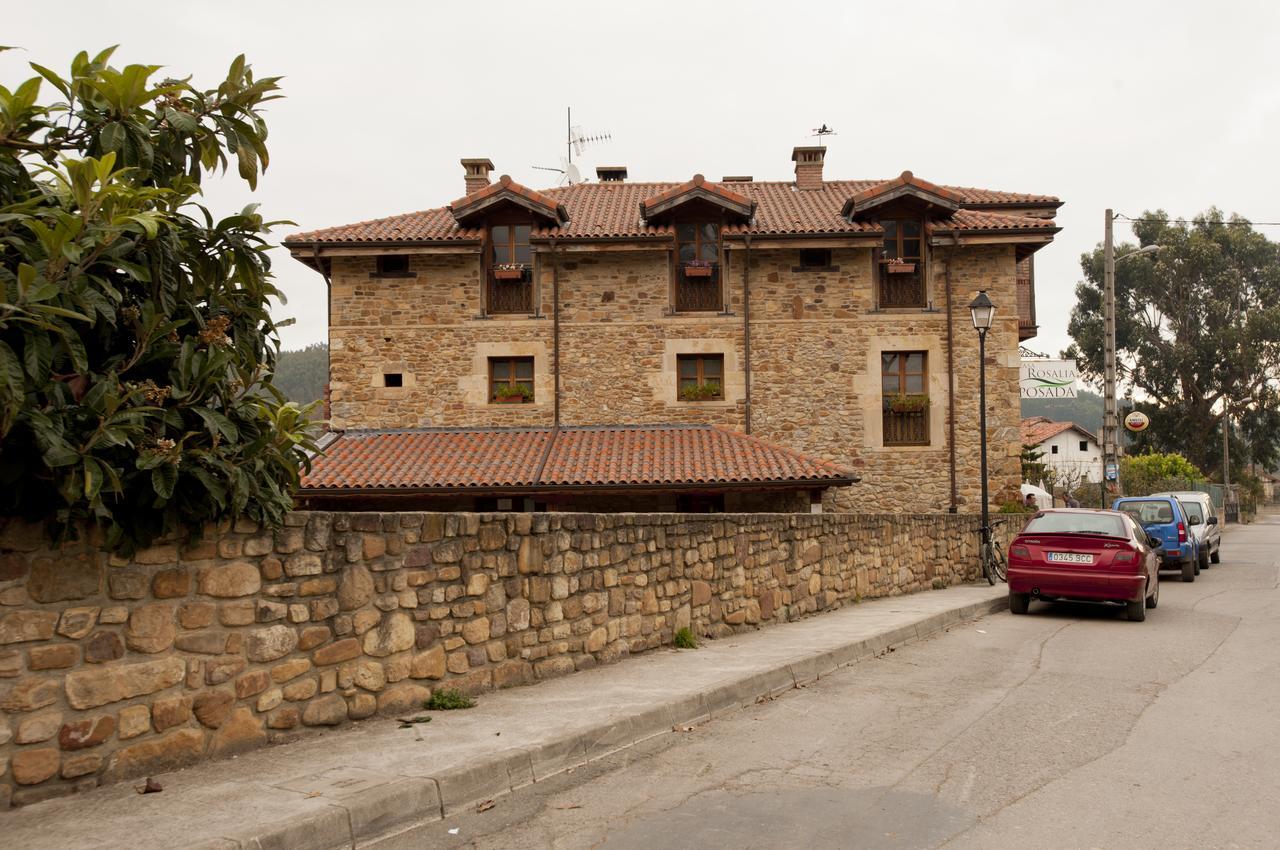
[555, 328]
[746, 328]
[951, 378]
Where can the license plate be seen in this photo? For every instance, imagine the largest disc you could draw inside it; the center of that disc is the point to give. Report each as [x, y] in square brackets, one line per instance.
[1070, 558]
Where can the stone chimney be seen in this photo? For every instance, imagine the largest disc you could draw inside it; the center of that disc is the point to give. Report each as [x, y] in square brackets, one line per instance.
[477, 173]
[808, 162]
[611, 173]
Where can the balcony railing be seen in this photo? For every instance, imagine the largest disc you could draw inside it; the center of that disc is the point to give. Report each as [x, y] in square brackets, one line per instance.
[510, 290]
[698, 289]
[902, 289]
[909, 428]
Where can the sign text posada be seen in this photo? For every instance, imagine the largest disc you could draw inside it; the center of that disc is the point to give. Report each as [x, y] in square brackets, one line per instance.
[1049, 378]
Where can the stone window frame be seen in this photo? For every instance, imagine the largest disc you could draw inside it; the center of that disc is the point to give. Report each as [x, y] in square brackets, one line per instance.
[867, 388]
[408, 380]
[665, 384]
[902, 378]
[473, 384]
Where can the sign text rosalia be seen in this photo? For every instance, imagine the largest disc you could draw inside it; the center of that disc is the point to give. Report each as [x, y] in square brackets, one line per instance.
[1048, 378]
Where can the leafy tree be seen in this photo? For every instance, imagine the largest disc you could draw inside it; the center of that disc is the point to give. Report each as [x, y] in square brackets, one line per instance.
[1152, 473]
[136, 347]
[1197, 328]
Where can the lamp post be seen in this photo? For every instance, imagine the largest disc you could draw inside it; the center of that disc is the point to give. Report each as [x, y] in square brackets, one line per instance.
[1110, 422]
[983, 313]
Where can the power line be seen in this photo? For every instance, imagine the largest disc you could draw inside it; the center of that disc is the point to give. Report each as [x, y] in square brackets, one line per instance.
[1191, 221]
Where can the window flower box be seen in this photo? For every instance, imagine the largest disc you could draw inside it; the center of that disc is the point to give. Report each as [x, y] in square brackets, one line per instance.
[906, 403]
[706, 391]
[513, 394]
[510, 271]
[698, 268]
[900, 267]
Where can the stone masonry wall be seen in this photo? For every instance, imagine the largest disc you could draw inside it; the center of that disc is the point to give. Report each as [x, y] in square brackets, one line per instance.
[112, 668]
[815, 358]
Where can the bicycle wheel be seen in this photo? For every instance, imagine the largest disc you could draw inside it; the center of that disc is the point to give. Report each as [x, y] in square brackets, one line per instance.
[999, 565]
[985, 555]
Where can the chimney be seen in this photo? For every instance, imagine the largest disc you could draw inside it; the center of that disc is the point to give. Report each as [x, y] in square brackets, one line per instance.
[808, 162]
[736, 178]
[477, 173]
[611, 173]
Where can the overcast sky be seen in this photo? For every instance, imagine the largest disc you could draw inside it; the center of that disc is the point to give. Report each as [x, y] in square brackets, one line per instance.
[1172, 105]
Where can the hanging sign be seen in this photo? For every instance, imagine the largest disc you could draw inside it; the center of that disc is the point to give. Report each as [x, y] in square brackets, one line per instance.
[1136, 420]
[1049, 378]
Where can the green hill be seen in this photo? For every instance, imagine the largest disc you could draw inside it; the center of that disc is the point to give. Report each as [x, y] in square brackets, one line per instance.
[1085, 409]
[302, 374]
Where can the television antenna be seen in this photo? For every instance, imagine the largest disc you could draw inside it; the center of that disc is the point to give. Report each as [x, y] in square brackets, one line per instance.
[575, 142]
[569, 174]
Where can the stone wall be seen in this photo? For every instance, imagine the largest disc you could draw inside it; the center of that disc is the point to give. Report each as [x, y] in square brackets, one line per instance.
[114, 667]
[815, 357]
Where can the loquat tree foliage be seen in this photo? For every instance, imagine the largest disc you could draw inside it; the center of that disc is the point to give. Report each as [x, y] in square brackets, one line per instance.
[136, 346]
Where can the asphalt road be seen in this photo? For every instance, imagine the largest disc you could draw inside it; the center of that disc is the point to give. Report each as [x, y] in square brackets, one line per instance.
[1069, 728]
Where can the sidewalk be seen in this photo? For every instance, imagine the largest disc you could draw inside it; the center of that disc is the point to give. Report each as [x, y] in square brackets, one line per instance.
[373, 784]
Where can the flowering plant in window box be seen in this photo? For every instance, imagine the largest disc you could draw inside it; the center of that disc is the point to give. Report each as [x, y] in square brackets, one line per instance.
[899, 266]
[510, 271]
[513, 394]
[698, 268]
[903, 403]
[706, 391]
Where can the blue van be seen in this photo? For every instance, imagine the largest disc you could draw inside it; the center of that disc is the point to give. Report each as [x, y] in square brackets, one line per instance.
[1164, 519]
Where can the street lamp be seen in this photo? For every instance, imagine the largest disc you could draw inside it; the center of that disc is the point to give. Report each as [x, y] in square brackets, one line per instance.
[1110, 422]
[983, 313]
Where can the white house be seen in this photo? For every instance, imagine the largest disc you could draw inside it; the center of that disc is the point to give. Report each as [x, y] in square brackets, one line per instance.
[1072, 453]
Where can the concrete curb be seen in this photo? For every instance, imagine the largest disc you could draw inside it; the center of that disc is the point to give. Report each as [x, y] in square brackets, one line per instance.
[389, 815]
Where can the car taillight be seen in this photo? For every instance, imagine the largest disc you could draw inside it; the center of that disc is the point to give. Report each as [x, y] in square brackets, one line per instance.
[1182, 533]
[1124, 557]
[1020, 551]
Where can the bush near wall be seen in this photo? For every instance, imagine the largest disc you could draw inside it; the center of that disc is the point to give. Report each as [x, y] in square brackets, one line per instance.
[115, 667]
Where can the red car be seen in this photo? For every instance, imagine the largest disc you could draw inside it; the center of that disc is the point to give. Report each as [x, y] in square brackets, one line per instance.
[1091, 555]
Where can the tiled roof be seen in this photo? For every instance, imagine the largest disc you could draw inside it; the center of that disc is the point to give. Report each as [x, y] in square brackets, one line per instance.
[906, 184]
[698, 187]
[1037, 429]
[612, 210]
[470, 206]
[676, 456]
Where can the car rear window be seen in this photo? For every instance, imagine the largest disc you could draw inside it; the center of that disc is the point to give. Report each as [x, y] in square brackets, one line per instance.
[1194, 511]
[1065, 523]
[1149, 511]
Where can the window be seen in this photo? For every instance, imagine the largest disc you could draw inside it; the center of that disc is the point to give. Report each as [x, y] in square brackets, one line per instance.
[700, 377]
[510, 380]
[391, 265]
[902, 264]
[510, 279]
[1084, 445]
[393, 379]
[698, 267]
[903, 381]
[815, 258]
[1053, 450]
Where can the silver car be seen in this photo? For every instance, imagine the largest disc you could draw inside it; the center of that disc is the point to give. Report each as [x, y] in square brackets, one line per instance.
[1204, 522]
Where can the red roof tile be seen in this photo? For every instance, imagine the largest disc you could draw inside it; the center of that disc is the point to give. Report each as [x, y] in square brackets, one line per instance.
[698, 187]
[905, 184]
[678, 456]
[470, 206]
[1037, 429]
[612, 210]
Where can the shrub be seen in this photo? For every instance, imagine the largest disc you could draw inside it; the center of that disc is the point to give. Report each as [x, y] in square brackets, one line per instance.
[1013, 507]
[685, 639]
[701, 392]
[136, 346]
[449, 699]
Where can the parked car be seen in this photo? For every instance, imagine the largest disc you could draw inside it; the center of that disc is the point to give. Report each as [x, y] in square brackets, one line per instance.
[1203, 519]
[1164, 518]
[1084, 554]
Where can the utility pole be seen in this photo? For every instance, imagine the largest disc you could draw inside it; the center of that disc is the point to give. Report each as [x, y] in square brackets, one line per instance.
[1109, 425]
[1226, 449]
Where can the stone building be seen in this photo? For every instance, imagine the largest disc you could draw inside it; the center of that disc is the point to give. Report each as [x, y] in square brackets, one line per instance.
[829, 317]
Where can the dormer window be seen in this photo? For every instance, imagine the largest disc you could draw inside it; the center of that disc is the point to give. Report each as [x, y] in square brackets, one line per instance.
[698, 267]
[510, 278]
[901, 263]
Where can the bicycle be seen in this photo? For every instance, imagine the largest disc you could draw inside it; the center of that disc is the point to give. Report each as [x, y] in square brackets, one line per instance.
[991, 556]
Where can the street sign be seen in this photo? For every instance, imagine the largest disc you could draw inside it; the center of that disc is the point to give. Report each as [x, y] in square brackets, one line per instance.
[1113, 472]
[1048, 378]
[1136, 420]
